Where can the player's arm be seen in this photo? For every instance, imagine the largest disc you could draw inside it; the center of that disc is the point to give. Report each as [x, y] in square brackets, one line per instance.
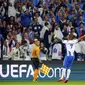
[81, 38]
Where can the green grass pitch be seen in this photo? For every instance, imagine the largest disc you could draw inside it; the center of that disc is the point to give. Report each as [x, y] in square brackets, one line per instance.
[42, 83]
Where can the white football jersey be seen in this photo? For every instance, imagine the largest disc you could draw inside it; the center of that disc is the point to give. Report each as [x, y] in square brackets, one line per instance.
[57, 51]
[70, 46]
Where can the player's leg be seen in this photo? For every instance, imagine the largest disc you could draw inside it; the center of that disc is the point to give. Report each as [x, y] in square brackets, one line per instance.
[35, 64]
[69, 65]
[63, 73]
[36, 72]
[68, 75]
[35, 75]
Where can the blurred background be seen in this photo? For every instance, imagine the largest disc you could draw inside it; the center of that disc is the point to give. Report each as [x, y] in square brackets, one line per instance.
[21, 21]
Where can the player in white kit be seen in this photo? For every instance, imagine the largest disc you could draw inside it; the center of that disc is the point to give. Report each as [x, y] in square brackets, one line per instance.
[69, 58]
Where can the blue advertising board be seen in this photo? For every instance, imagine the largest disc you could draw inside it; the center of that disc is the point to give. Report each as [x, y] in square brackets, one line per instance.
[23, 70]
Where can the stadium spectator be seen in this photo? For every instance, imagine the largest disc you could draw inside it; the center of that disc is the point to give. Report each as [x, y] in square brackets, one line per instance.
[15, 54]
[26, 38]
[25, 18]
[24, 49]
[36, 27]
[43, 52]
[44, 35]
[11, 9]
[4, 30]
[19, 35]
[68, 4]
[80, 28]
[80, 4]
[81, 20]
[57, 32]
[31, 35]
[40, 18]
[69, 26]
[65, 31]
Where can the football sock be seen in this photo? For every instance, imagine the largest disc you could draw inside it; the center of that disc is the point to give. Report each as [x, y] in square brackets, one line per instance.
[35, 75]
[68, 73]
[63, 73]
[36, 72]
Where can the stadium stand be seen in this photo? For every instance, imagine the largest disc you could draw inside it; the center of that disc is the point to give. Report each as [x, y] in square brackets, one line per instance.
[43, 19]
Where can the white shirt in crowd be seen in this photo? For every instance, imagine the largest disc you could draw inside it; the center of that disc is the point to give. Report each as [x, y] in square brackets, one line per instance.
[40, 20]
[57, 52]
[15, 54]
[19, 37]
[82, 47]
[12, 11]
[58, 33]
[12, 2]
[43, 32]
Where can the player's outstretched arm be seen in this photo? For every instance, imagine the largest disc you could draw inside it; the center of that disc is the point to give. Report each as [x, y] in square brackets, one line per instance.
[81, 37]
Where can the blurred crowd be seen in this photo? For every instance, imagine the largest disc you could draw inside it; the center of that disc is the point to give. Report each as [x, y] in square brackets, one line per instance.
[21, 21]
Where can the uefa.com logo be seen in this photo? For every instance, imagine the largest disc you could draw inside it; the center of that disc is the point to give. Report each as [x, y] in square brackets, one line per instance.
[17, 71]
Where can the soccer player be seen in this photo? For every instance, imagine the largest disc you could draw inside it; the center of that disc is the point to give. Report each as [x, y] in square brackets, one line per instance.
[35, 59]
[69, 58]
